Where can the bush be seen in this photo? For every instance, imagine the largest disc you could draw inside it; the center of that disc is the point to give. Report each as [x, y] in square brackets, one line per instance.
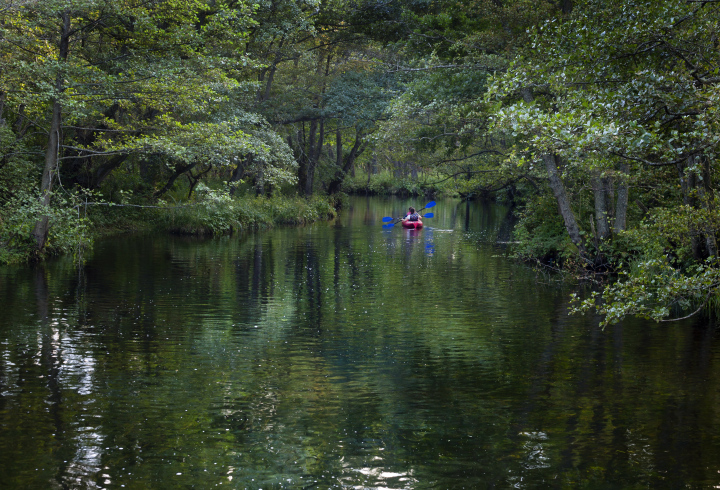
[69, 230]
[212, 212]
[384, 183]
[216, 213]
[541, 232]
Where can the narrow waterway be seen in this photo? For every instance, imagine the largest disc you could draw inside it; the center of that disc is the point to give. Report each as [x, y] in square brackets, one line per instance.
[342, 355]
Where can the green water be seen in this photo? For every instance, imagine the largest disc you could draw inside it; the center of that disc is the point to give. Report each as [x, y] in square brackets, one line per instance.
[341, 355]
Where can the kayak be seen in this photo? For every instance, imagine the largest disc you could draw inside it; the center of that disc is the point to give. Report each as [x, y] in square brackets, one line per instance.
[412, 225]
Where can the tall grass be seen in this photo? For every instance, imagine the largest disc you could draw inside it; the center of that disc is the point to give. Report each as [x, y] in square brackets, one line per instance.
[218, 215]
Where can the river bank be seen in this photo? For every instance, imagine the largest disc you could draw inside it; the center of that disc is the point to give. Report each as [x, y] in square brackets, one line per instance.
[212, 214]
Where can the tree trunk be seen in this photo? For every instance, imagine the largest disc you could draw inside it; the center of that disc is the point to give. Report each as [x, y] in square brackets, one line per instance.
[622, 202]
[558, 189]
[314, 148]
[2, 108]
[179, 170]
[338, 149]
[566, 212]
[347, 162]
[707, 197]
[103, 171]
[239, 173]
[260, 181]
[600, 191]
[265, 94]
[688, 184]
[310, 151]
[310, 160]
[40, 232]
[22, 123]
[194, 179]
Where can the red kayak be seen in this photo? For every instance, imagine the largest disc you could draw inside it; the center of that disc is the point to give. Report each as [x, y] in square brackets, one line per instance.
[412, 225]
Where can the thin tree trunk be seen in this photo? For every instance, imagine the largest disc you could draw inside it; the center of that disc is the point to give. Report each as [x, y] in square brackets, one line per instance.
[260, 181]
[178, 172]
[602, 226]
[558, 189]
[239, 172]
[265, 94]
[103, 171]
[688, 184]
[707, 196]
[22, 123]
[338, 148]
[40, 232]
[268, 85]
[347, 162]
[302, 157]
[194, 179]
[310, 159]
[2, 108]
[623, 194]
[566, 212]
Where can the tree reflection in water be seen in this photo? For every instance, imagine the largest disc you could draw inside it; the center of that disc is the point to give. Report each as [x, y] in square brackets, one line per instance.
[340, 355]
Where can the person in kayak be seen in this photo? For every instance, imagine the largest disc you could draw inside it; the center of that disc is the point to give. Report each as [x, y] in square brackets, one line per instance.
[412, 215]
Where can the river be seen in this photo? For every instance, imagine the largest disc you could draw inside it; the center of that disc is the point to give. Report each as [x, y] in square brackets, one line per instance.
[342, 355]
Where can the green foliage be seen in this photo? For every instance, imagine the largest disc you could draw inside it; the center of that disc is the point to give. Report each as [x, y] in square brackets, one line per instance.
[213, 213]
[295, 211]
[216, 213]
[168, 99]
[655, 290]
[628, 85]
[70, 231]
[541, 232]
[385, 183]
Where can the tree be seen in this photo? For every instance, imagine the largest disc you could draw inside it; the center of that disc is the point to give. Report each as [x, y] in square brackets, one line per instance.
[629, 92]
[441, 121]
[108, 80]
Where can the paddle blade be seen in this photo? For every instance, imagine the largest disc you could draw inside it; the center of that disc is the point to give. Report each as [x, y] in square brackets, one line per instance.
[389, 225]
[387, 218]
[428, 215]
[431, 204]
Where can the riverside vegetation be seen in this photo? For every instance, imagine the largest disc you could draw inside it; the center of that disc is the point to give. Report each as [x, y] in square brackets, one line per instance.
[597, 118]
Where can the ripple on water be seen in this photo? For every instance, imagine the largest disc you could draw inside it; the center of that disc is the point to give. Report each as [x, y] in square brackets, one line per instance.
[340, 355]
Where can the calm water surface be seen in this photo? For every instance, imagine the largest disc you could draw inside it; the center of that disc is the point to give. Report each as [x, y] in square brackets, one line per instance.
[341, 355]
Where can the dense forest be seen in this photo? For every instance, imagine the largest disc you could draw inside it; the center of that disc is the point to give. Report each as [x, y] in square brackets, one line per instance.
[596, 119]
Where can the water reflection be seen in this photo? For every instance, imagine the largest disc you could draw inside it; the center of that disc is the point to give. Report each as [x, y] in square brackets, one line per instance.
[429, 244]
[341, 355]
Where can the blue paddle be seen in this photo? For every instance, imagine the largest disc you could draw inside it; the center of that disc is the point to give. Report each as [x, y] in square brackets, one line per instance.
[387, 219]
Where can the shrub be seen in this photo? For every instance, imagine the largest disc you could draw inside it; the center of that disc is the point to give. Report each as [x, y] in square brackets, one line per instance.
[69, 230]
[216, 213]
[541, 232]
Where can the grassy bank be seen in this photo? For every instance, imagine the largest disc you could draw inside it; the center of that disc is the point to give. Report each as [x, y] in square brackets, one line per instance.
[77, 225]
[223, 215]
